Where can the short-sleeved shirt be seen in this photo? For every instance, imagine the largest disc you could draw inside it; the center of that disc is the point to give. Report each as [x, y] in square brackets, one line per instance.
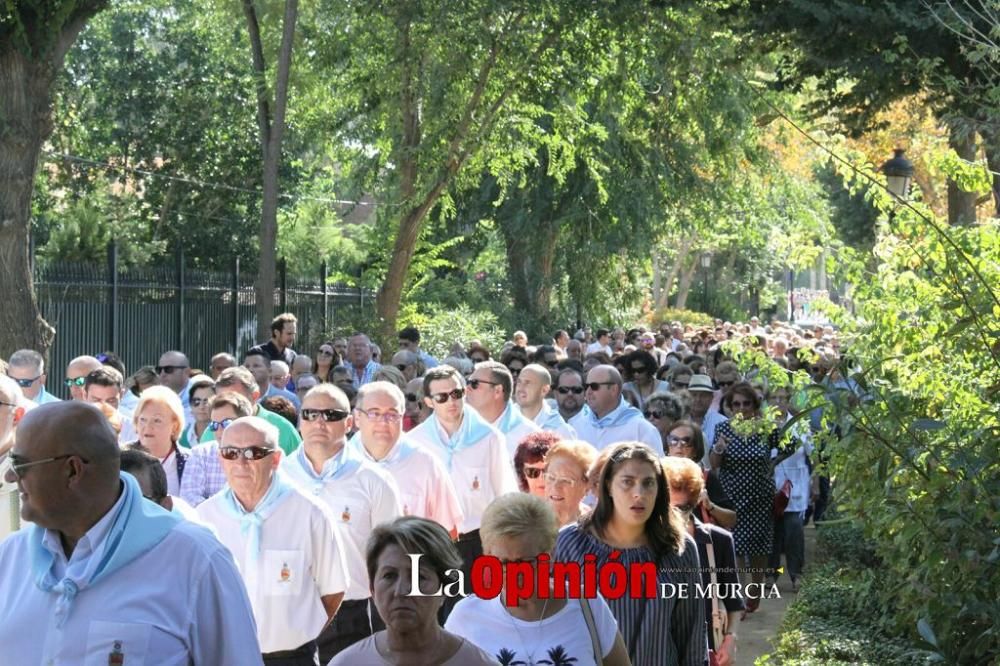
[364, 652]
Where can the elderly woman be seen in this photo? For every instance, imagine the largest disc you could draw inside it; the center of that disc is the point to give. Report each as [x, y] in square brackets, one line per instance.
[412, 634]
[408, 363]
[633, 524]
[529, 461]
[540, 629]
[686, 440]
[745, 469]
[663, 410]
[679, 377]
[566, 479]
[718, 567]
[159, 422]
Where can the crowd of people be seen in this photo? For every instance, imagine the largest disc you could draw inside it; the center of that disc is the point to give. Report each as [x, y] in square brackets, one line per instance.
[269, 510]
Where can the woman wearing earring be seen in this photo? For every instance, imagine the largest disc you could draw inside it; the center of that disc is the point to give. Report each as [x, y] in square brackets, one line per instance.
[633, 524]
[538, 630]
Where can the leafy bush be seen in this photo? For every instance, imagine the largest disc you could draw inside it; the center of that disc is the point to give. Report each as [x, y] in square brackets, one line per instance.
[667, 315]
[845, 543]
[440, 328]
[829, 624]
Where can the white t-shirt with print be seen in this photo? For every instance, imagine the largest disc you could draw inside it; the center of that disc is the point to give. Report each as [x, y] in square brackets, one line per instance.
[562, 638]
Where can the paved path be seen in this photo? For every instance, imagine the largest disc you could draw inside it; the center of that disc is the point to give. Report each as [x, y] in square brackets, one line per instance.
[757, 630]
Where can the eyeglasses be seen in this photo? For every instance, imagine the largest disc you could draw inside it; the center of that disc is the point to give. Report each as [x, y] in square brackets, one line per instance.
[198, 402]
[383, 417]
[654, 414]
[533, 472]
[596, 386]
[329, 415]
[74, 381]
[156, 422]
[412, 397]
[560, 480]
[675, 442]
[24, 383]
[248, 453]
[454, 394]
[216, 426]
[16, 470]
[169, 369]
[474, 383]
[566, 390]
[8, 404]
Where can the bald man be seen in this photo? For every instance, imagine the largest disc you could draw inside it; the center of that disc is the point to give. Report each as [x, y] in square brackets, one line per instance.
[113, 577]
[76, 373]
[10, 412]
[533, 386]
[607, 418]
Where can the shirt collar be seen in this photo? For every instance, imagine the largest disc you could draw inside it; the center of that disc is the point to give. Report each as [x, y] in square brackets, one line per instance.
[92, 543]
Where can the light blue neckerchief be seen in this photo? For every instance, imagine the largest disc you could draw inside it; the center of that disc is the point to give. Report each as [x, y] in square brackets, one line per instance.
[136, 529]
[620, 415]
[510, 419]
[401, 451]
[347, 460]
[253, 521]
[473, 429]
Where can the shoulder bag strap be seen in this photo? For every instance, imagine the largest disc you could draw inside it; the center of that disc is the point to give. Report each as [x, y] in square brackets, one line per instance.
[717, 629]
[588, 616]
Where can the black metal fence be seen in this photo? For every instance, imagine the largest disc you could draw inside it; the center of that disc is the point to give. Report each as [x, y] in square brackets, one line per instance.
[141, 312]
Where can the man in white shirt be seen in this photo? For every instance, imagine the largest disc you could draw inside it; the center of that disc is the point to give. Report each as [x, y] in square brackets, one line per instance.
[602, 344]
[425, 488]
[702, 396]
[103, 576]
[474, 453]
[27, 368]
[607, 419]
[288, 550]
[490, 387]
[533, 386]
[358, 494]
[11, 410]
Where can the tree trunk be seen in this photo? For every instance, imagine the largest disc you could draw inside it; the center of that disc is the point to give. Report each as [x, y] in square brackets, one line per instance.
[271, 129]
[991, 146]
[530, 261]
[961, 204]
[27, 73]
[687, 276]
[668, 282]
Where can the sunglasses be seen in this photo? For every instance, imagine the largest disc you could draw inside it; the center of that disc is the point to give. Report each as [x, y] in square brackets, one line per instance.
[249, 453]
[596, 386]
[25, 383]
[454, 394]
[679, 442]
[198, 402]
[325, 352]
[402, 367]
[329, 415]
[75, 381]
[566, 390]
[474, 383]
[515, 371]
[412, 397]
[653, 414]
[638, 371]
[169, 369]
[216, 426]
[533, 472]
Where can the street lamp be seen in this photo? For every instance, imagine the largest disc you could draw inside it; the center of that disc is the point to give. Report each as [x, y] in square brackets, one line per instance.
[898, 174]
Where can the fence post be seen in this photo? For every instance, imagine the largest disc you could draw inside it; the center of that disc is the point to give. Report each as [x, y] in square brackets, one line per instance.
[113, 295]
[236, 306]
[283, 281]
[323, 277]
[180, 297]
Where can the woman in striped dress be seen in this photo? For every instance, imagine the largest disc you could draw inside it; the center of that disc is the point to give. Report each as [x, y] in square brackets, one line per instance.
[633, 523]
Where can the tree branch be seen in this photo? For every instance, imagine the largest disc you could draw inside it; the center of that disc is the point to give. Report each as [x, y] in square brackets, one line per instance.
[260, 76]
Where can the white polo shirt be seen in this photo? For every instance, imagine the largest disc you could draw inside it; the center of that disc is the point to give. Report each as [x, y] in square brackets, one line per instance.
[358, 500]
[301, 559]
[480, 472]
[425, 489]
[180, 603]
[635, 430]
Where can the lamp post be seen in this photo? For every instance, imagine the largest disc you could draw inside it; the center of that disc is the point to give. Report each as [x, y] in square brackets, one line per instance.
[898, 175]
[706, 263]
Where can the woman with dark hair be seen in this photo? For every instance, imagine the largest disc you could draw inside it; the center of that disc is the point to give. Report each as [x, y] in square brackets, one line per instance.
[412, 633]
[686, 440]
[515, 359]
[529, 461]
[325, 361]
[746, 471]
[640, 367]
[663, 410]
[633, 524]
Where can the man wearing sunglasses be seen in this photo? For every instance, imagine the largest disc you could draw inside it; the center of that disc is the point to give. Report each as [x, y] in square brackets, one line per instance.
[569, 392]
[27, 368]
[359, 495]
[288, 550]
[203, 474]
[104, 576]
[533, 386]
[490, 387]
[240, 380]
[607, 418]
[76, 373]
[702, 396]
[474, 453]
[172, 370]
